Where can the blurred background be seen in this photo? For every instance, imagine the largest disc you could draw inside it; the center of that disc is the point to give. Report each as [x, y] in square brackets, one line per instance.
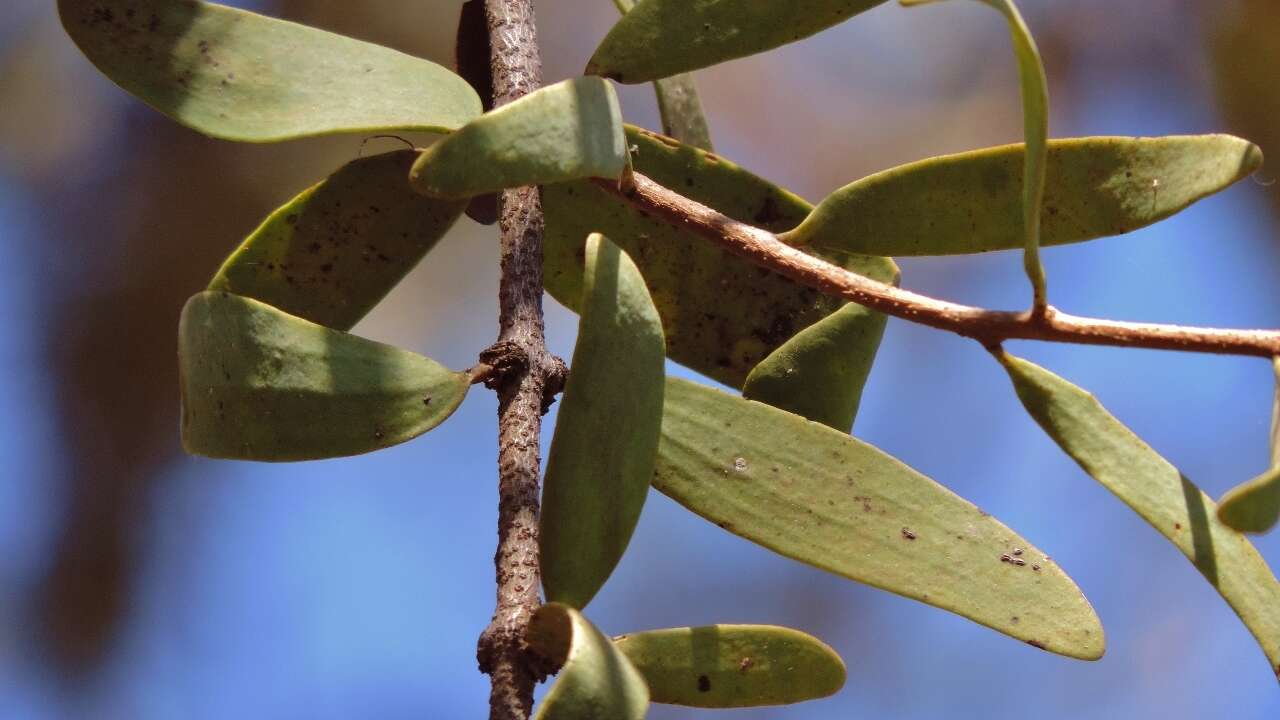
[136, 582]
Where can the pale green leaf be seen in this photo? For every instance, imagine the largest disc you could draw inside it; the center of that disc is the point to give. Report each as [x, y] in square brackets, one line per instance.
[730, 666]
[330, 254]
[260, 384]
[606, 436]
[661, 38]
[819, 373]
[1035, 120]
[970, 202]
[721, 315]
[566, 131]
[681, 111]
[236, 75]
[596, 680]
[826, 499]
[1254, 506]
[1110, 453]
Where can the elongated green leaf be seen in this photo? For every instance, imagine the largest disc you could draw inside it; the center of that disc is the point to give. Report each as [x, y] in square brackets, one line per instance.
[819, 374]
[1146, 482]
[235, 75]
[330, 254]
[606, 435]
[970, 202]
[821, 497]
[1254, 506]
[566, 131]
[596, 680]
[721, 315]
[1035, 119]
[727, 666]
[260, 384]
[660, 38]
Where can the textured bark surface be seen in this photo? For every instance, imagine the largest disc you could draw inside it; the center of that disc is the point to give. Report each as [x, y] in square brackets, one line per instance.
[525, 377]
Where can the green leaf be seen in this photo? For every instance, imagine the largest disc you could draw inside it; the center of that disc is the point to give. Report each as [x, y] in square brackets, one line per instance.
[330, 254]
[821, 497]
[596, 680]
[1110, 453]
[1254, 506]
[678, 103]
[235, 75]
[970, 202]
[566, 131]
[260, 384]
[1035, 118]
[730, 666]
[681, 111]
[606, 436]
[660, 38]
[819, 374]
[721, 315]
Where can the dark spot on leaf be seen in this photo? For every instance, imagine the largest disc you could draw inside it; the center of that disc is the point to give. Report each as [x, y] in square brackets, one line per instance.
[906, 533]
[704, 683]
[291, 218]
[1036, 644]
[768, 213]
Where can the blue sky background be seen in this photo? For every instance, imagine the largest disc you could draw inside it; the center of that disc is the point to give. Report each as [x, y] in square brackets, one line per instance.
[357, 587]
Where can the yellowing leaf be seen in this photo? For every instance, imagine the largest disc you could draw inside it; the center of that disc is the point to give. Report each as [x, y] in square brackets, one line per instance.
[1146, 482]
[729, 666]
[660, 38]
[566, 131]
[606, 436]
[821, 497]
[819, 373]
[235, 75]
[330, 254]
[721, 315]
[260, 384]
[596, 681]
[971, 202]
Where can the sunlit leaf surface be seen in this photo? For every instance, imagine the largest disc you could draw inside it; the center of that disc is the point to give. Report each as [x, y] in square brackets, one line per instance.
[1157, 491]
[260, 384]
[236, 75]
[727, 666]
[660, 38]
[566, 131]
[821, 497]
[971, 202]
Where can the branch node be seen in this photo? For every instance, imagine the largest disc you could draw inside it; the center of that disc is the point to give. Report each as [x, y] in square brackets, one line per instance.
[504, 359]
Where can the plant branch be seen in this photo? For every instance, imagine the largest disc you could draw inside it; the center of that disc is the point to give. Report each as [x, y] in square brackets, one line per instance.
[989, 327]
[525, 377]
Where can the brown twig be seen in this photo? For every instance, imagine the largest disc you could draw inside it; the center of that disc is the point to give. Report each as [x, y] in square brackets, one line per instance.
[989, 327]
[524, 375]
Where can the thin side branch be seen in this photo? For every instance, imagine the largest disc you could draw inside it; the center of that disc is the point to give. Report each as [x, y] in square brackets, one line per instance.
[525, 377]
[989, 327]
